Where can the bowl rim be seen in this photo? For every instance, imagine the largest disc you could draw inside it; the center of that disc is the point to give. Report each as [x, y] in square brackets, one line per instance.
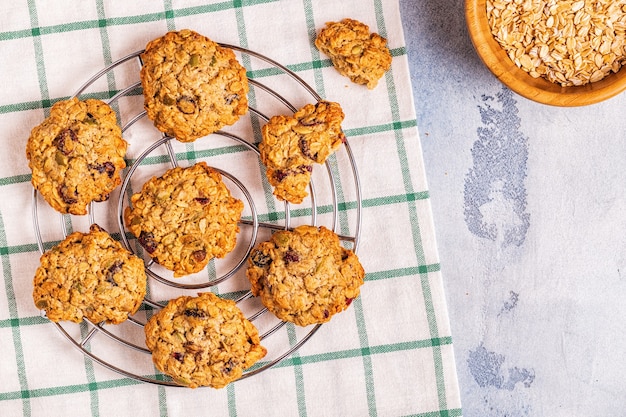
[537, 89]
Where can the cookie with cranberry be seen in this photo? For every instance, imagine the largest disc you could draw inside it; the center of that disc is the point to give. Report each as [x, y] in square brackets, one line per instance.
[354, 51]
[290, 146]
[76, 154]
[185, 218]
[203, 341]
[89, 276]
[191, 85]
[304, 276]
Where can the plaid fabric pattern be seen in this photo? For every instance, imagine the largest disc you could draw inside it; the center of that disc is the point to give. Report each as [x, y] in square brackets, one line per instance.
[389, 354]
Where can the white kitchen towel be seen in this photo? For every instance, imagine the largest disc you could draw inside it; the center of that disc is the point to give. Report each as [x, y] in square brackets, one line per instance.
[389, 354]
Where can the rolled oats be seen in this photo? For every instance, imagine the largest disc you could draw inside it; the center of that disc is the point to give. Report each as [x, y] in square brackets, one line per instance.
[567, 42]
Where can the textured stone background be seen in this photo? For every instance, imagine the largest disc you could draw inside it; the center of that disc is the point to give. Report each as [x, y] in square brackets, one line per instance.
[530, 212]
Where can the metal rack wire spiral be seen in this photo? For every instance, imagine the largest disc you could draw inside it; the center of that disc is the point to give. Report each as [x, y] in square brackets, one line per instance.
[87, 336]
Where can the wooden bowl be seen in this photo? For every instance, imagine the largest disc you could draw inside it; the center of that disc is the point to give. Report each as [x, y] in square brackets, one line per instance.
[518, 80]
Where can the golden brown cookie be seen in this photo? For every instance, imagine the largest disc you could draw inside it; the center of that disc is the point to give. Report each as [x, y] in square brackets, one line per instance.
[354, 52]
[89, 276]
[76, 154]
[291, 145]
[185, 218]
[192, 86]
[203, 341]
[304, 276]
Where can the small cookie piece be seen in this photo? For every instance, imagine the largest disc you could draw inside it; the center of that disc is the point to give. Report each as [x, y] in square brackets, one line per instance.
[304, 276]
[89, 275]
[76, 154]
[185, 218]
[203, 341]
[192, 86]
[354, 52]
[290, 146]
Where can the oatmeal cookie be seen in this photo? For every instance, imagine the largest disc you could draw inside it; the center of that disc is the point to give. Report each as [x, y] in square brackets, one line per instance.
[192, 86]
[354, 52]
[203, 341]
[76, 154]
[185, 218]
[89, 275]
[291, 144]
[304, 276]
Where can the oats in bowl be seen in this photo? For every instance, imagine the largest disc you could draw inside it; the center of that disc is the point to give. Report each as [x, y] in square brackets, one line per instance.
[567, 42]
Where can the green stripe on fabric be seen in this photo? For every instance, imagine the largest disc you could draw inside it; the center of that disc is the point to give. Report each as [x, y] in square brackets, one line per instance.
[24, 321]
[41, 70]
[296, 363]
[231, 400]
[369, 130]
[290, 361]
[9, 250]
[315, 64]
[162, 399]
[368, 351]
[17, 107]
[358, 307]
[368, 370]
[396, 199]
[402, 272]
[169, 15]
[437, 355]
[18, 179]
[271, 216]
[89, 372]
[190, 155]
[414, 221]
[350, 205]
[370, 276]
[6, 263]
[419, 250]
[125, 20]
[68, 389]
[106, 47]
[343, 219]
[14, 323]
[44, 104]
[110, 76]
[190, 11]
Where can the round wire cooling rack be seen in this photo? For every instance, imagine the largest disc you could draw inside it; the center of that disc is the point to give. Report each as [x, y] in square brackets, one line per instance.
[334, 201]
